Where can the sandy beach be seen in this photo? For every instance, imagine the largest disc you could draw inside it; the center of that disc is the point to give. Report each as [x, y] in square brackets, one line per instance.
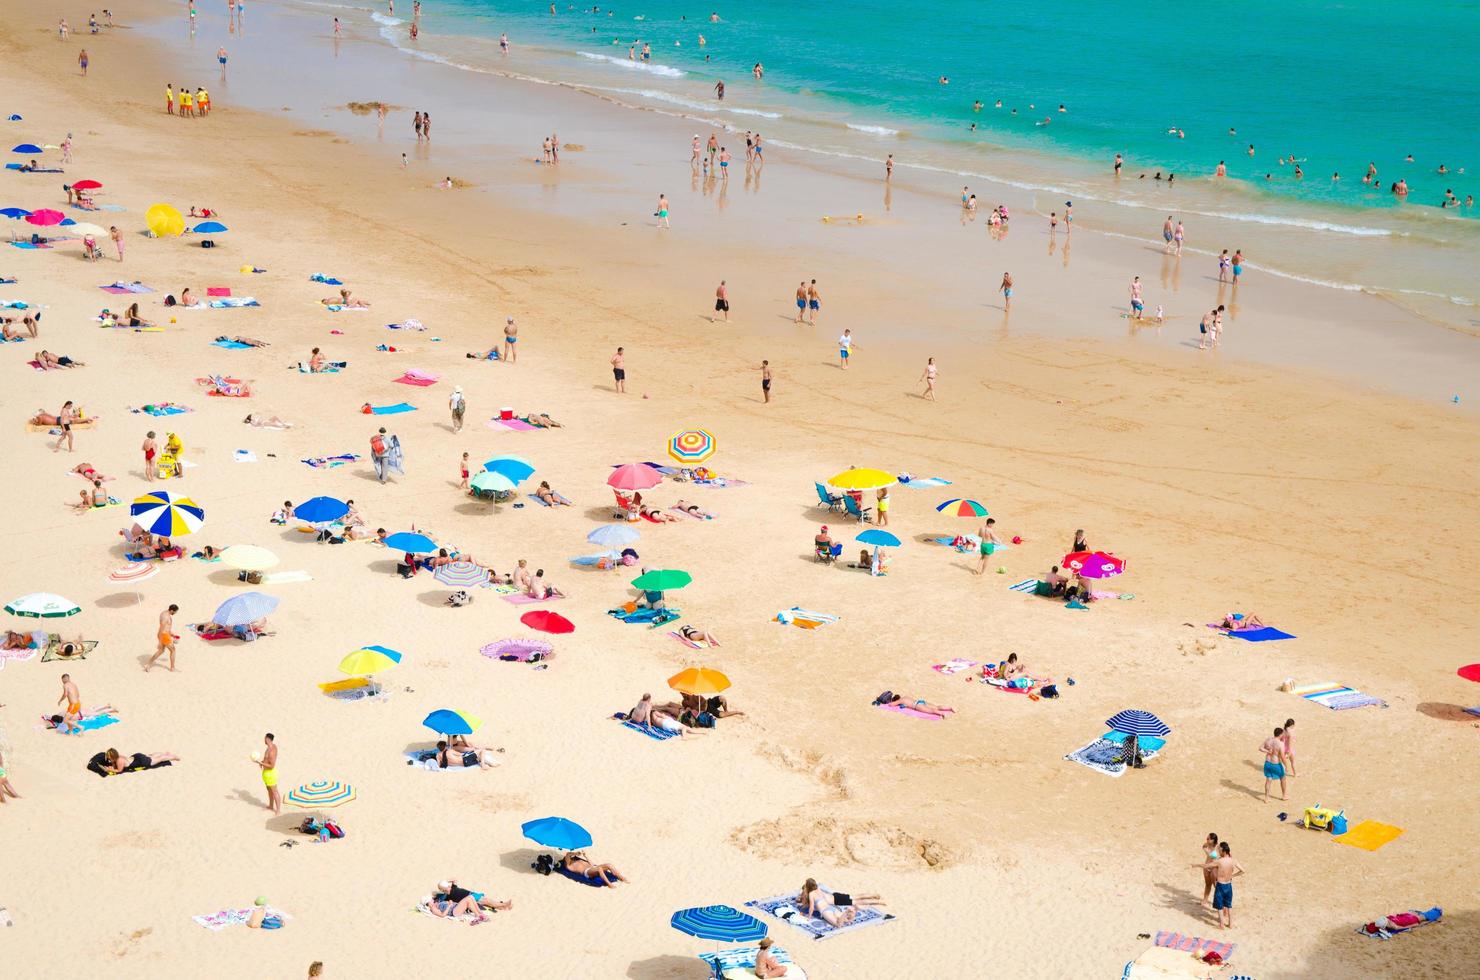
[1314, 471]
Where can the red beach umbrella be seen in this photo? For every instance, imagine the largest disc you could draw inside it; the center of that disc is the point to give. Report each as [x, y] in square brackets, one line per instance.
[1094, 564]
[1470, 673]
[46, 216]
[547, 622]
[629, 476]
[87, 185]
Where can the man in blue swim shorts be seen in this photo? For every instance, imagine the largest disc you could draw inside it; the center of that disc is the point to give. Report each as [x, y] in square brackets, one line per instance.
[1224, 869]
[1274, 763]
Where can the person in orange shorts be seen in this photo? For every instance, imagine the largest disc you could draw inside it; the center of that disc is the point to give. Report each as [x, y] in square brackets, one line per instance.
[166, 637]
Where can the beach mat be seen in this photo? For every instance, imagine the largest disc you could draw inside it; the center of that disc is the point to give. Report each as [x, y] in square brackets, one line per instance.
[330, 462]
[925, 483]
[736, 963]
[1162, 963]
[521, 599]
[391, 409]
[784, 907]
[954, 666]
[230, 345]
[1194, 944]
[1263, 635]
[417, 762]
[1369, 835]
[415, 379]
[656, 734]
[1027, 586]
[900, 709]
[53, 650]
[806, 619]
[1337, 697]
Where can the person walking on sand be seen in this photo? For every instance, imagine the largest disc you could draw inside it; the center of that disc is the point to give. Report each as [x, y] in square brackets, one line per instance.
[845, 348]
[1288, 739]
[1177, 237]
[1167, 231]
[117, 237]
[814, 302]
[378, 453]
[1138, 305]
[150, 450]
[1224, 869]
[766, 381]
[166, 637]
[71, 699]
[989, 543]
[457, 405]
[221, 59]
[888, 167]
[268, 764]
[1006, 290]
[801, 300]
[82, 62]
[663, 211]
[1274, 763]
[619, 371]
[721, 301]
[65, 418]
[929, 378]
[511, 340]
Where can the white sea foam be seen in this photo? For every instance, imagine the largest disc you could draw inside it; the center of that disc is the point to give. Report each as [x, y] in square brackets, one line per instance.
[679, 100]
[648, 66]
[875, 130]
[385, 21]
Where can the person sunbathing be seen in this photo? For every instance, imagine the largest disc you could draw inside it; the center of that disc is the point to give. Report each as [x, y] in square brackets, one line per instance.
[267, 421]
[542, 421]
[343, 300]
[697, 634]
[693, 510]
[116, 762]
[88, 499]
[16, 641]
[814, 899]
[865, 560]
[43, 417]
[449, 890]
[249, 341]
[233, 389]
[578, 863]
[662, 717]
[1241, 621]
[469, 758]
[50, 361]
[550, 496]
[717, 705]
[541, 589]
[69, 723]
[920, 705]
[7, 328]
[203, 213]
[139, 544]
[448, 909]
[489, 355]
[655, 515]
[315, 361]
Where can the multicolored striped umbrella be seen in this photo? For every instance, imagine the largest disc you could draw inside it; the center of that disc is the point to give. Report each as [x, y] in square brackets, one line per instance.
[168, 514]
[139, 571]
[720, 923]
[692, 445]
[321, 793]
[962, 508]
[42, 605]
[446, 721]
[461, 575]
[1094, 564]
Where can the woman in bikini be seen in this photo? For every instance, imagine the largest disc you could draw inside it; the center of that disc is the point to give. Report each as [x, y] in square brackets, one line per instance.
[697, 634]
[576, 862]
[118, 763]
[921, 705]
[655, 515]
[469, 758]
[343, 299]
[815, 901]
[693, 510]
[550, 496]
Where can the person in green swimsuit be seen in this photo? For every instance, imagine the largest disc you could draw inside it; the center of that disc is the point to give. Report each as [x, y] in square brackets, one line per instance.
[989, 543]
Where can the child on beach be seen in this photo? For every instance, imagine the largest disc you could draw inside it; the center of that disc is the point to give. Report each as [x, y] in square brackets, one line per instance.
[463, 484]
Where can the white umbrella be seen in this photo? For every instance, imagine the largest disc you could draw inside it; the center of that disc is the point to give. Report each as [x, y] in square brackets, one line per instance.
[42, 605]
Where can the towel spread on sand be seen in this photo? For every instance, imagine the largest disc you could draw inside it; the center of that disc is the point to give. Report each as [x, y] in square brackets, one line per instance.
[162, 409]
[805, 618]
[121, 288]
[1194, 944]
[420, 379]
[904, 710]
[922, 483]
[233, 304]
[230, 344]
[784, 908]
[657, 734]
[1369, 835]
[216, 921]
[326, 280]
[396, 409]
[521, 599]
[742, 960]
[329, 462]
[1337, 697]
[954, 666]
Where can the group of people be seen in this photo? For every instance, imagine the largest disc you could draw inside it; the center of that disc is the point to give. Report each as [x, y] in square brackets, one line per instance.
[189, 105]
[691, 713]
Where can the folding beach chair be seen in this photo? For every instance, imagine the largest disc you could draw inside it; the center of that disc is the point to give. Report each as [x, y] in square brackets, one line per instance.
[864, 515]
[828, 500]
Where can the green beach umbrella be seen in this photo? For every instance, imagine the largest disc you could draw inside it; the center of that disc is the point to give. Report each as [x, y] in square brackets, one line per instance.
[662, 580]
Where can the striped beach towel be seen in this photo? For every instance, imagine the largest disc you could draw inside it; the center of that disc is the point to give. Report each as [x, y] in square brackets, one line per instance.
[1027, 586]
[1337, 697]
[1194, 944]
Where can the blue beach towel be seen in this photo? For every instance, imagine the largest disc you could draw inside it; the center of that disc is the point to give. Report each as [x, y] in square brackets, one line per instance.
[230, 303]
[1260, 635]
[326, 280]
[95, 722]
[656, 734]
[392, 409]
[230, 344]
[164, 410]
[560, 869]
[784, 908]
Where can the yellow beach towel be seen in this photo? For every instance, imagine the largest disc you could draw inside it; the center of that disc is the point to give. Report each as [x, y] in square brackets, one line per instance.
[1369, 835]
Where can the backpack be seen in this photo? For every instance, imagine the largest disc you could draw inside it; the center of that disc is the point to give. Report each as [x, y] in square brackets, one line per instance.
[377, 445]
[1049, 691]
[704, 720]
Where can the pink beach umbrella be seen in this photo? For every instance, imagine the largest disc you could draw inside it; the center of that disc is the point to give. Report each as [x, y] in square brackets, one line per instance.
[45, 217]
[634, 476]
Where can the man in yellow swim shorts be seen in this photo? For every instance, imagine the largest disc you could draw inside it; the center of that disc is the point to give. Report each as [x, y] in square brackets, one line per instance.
[268, 762]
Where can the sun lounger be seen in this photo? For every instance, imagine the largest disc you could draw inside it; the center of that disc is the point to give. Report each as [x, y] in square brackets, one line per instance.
[784, 907]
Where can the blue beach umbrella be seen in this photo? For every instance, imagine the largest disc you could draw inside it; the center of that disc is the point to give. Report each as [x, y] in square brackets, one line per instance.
[245, 608]
[516, 468]
[67, 221]
[410, 541]
[612, 535]
[720, 923]
[210, 228]
[321, 510]
[15, 213]
[13, 117]
[1139, 723]
[446, 721]
[557, 832]
[26, 148]
[879, 537]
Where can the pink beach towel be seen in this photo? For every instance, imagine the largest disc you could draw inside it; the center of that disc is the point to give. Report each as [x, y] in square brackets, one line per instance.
[218, 290]
[902, 710]
[421, 379]
[1194, 944]
[522, 599]
[518, 425]
[115, 290]
[686, 642]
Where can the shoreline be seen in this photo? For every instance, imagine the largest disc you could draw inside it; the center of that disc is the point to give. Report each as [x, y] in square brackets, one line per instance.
[1226, 482]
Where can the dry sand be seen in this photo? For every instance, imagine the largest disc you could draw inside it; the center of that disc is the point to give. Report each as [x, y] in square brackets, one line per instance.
[1334, 511]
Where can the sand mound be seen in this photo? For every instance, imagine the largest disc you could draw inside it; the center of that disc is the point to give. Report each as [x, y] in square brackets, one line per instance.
[364, 108]
[811, 763]
[828, 840]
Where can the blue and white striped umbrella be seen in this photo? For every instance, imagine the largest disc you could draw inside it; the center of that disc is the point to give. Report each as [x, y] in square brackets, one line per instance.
[612, 535]
[719, 923]
[1138, 723]
[166, 513]
[245, 608]
[461, 575]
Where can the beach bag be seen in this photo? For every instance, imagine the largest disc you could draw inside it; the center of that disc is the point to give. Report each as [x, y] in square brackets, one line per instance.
[1049, 691]
[169, 300]
[335, 831]
[245, 633]
[705, 720]
[377, 445]
[207, 244]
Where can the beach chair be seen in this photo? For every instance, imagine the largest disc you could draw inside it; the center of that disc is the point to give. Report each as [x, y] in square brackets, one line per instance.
[827, 553]
[864, 515]
[625, 509]
[828, 500]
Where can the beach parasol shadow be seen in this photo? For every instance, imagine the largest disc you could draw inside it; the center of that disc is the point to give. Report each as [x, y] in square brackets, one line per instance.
[667, 967]
[1433, 709]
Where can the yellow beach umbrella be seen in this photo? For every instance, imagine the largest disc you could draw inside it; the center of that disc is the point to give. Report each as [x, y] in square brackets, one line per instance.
[699, 680]
[369, 660]
[248, 558]
[164, 221]
[862, 479]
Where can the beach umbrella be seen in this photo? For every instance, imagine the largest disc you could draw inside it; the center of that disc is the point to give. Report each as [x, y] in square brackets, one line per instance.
[526, 650]
[13, 117]
[486, 482]
[1138, 723]
[45, 217]
[634, 476]
[410, 541]
[134, 572]
[245, 608]
[87, 185]
[66, 222]
[321, 510]
[42, 605]
[516, 468]
[699, 680]
[14, 212]
[719, 923]
[547, 622]
[210, 228]
[461, 575]
[369, 660]
[167, 513]
[321, 793]
[85, 228]
[962, 508]
[662, 580]
[248, 558]
[26, 148]
[164, 221]
[878, 537]
[612, 535]
[692, 445]
[446, 721]
[1094, 564]
[557, 832]
[1470, 673]
[862, 479]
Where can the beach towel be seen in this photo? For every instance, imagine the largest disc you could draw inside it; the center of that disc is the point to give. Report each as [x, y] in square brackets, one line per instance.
[735, 964]
[1400, 922]
[29, 245]
[12, 340]
[805, 618]
[688, 642]
[6, 281]
[1103, 755]
[218, 290]
[900, 709]
[1150, 744]
[396, 409]
[1027, 586]
[1163, 963]
[684, 513]
[15, 304]
[230, 344]
[162, 409]
[216, 921]
[90, 723]
[427, 759]
[244, 456]
[1369, 835]
[326, 280]
[418, 379]
[1261, 635]
[1473, 711]
[1194, 944]
[784, 908]
[1337, 697]
[559, 497]
[330, 462]
[922, 483]
[53, 650]
[124, 288]
[95, 766]
[354, 689]
[518, 425]
[525, 651]
[341, 308]
[610, 560]
[954, 666]
[645, 616]
[522, 599]
[233, 304]
[563, 872]
[656, 734]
